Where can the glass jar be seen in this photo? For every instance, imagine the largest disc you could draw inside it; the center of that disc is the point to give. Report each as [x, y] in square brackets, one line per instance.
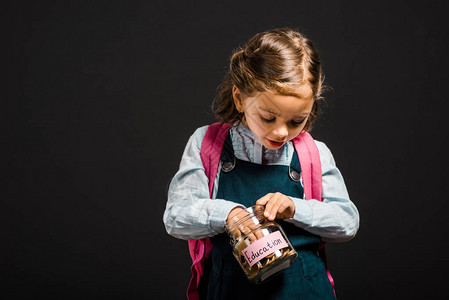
[259, 245]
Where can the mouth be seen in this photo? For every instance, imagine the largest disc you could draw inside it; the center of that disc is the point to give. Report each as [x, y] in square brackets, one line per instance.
[275, 144]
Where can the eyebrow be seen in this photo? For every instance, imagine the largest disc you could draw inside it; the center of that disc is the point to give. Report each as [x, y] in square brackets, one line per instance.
[274, 113]
[268, 110]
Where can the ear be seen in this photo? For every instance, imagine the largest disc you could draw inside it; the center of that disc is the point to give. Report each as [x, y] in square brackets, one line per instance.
[238, 99]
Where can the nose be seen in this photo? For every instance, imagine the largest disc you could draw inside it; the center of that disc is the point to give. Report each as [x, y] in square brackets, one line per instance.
[280, 131]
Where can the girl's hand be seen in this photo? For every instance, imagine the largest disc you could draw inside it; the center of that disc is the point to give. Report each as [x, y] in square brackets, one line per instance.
[232, 219]
[277, 206]
[246, 227]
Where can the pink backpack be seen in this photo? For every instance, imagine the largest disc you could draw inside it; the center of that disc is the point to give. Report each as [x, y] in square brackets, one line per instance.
[210, 156]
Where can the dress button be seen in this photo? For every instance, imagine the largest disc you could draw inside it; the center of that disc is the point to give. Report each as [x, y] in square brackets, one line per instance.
[228, 166]
[293, 174]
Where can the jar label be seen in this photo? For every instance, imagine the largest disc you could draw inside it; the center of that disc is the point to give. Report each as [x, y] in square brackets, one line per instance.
[263, 247]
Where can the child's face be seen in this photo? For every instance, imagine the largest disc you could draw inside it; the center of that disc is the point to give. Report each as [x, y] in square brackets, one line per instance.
[275, 119]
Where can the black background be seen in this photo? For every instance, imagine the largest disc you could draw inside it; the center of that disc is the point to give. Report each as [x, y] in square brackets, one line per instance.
[100, 97]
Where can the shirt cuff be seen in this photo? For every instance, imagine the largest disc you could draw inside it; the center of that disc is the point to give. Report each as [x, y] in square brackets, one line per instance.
[303, 213]
[220, 214]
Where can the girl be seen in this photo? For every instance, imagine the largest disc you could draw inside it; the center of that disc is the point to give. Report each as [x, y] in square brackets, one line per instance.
[270, 95]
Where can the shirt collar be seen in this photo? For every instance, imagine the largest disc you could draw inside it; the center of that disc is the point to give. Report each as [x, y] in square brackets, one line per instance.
[260, 154]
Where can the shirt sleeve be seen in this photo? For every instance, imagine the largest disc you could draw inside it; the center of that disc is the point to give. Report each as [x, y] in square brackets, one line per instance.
[335, 219]
[190, 212]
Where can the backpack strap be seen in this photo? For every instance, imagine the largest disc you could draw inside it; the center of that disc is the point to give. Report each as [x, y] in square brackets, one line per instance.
[210, 152]
[309, 159]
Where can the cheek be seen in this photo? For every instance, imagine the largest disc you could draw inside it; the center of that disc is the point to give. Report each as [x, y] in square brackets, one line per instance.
[252, 117]
[256, 124]
[300, 128]
[295, 133]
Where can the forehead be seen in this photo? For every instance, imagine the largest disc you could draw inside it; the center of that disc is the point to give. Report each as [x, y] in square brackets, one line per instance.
[296, 103]
[303, 90]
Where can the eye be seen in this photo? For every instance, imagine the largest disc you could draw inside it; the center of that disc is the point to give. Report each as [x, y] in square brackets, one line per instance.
[296, 123]
[267, 120]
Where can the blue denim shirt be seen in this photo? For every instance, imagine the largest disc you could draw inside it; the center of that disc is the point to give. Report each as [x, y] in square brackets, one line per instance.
[192, 214]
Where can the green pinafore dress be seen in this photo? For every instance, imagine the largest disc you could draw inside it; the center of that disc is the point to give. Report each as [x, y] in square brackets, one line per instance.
[245, 182]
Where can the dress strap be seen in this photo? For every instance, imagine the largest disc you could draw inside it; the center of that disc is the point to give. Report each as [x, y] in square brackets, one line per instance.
[227, 157]
[294, 169]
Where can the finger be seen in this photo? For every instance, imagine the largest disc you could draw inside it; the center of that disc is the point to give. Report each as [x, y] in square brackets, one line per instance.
[252, 237]
[247, 231]
[271, 208]
[269, 213]
[267, 201]
[247, 227]
[255, 229]
[264, 199]
[282, 209]
[236, 234]
[234, 213]
[275, 202]
[233, 217]
[259, 234]
[286, 209]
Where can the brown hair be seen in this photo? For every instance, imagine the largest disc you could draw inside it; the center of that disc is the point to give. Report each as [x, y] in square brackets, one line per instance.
[276, 60]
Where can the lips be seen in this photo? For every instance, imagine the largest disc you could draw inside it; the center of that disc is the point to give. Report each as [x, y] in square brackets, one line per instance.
[275, 143]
